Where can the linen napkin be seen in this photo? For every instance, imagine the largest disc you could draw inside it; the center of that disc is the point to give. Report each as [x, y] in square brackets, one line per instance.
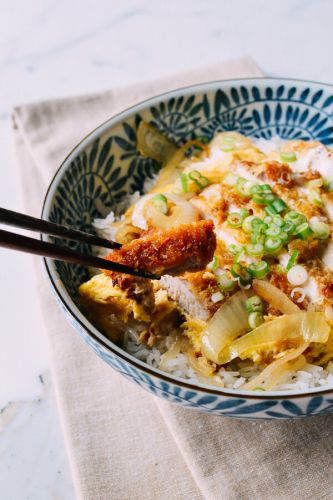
[122, 442]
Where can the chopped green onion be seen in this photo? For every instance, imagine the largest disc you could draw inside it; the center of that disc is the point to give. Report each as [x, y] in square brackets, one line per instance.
[259, 269]
[284, 237]
[227, 144]
[268, 220]
[200, 180]
[259, 389]
[231, 179]
[184, 182]
[257, 237]
[244, 213]
[273, 245]
[292, 260]
[250, 222]
[255, 319]
[213, 263]
[288, 156]
[303, 231]
[321, 230]
[235, 219]
[295, 217]
[234, 249]
[243, 187]
[255, 250]
[289, 227]
[161, 203]
[273, 230]
[279, 205]
[270, 210]
[225, 283]
[254, 304]
[239, 271]
[315, 198]
[261, 189]
[239, 255]
[278, 221]
[263, 198]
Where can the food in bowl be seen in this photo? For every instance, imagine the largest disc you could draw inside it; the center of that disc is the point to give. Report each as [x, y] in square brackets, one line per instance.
[248, 307]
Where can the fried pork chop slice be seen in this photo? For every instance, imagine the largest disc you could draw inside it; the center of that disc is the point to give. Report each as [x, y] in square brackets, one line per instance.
[188, 247]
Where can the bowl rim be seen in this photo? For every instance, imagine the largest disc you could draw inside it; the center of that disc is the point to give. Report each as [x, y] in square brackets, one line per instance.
[70, 306]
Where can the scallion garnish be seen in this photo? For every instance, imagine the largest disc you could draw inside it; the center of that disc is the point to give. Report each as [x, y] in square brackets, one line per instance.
[292, 260]
[235, 219]
[213, 263]
[255, 250]
[160, 202]
[270, 210]
[225, 283]
[243, 187]
[254, 304]
[315, 198]
[321, 230]
[250, 222]
[273, 245]
[200, 180]
[234, 249]
[288, 157]
[289, 227]
[259, 269]
[279, 205]
[295, 217]
[303, 231]
[184, 182]
[239, 271]
[273, 230]
[255, 319]
[278, 221]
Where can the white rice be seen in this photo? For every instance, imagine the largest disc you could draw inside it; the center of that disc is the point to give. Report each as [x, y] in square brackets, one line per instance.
[311, 376]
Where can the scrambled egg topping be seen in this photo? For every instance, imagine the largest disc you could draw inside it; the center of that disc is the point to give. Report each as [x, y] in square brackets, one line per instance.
[272, 206]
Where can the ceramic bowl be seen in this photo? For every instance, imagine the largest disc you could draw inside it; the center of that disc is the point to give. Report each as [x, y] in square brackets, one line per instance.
[106, 166]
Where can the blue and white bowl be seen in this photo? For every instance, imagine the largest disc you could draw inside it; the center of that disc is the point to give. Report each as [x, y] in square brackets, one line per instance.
[106, 166]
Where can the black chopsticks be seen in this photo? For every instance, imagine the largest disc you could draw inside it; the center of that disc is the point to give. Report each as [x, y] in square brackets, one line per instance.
[23, 221]
[37, 247]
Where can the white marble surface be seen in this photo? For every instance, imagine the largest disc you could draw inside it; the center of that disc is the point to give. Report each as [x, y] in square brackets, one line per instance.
[54, 48]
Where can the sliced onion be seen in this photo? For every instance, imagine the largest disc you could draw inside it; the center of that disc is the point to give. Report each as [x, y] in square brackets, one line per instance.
[297, 275]
[146, 215]
[274, 296]
[171, 353]
[229, 321]
[329, 314]
[301, 327]
[151, 143]
[279, 370]
[302, 293]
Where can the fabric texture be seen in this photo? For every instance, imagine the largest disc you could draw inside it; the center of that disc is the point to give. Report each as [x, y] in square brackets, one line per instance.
[124, 443]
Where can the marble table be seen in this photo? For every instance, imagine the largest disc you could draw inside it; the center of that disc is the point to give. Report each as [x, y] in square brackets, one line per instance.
[50, 49]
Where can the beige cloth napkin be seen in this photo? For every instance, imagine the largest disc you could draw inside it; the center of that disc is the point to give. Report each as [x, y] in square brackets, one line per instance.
[122, 442]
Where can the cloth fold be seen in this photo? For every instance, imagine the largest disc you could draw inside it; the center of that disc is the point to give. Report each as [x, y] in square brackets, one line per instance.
[122, 442]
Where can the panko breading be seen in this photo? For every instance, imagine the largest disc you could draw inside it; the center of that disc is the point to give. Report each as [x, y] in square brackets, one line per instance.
[188, 247]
